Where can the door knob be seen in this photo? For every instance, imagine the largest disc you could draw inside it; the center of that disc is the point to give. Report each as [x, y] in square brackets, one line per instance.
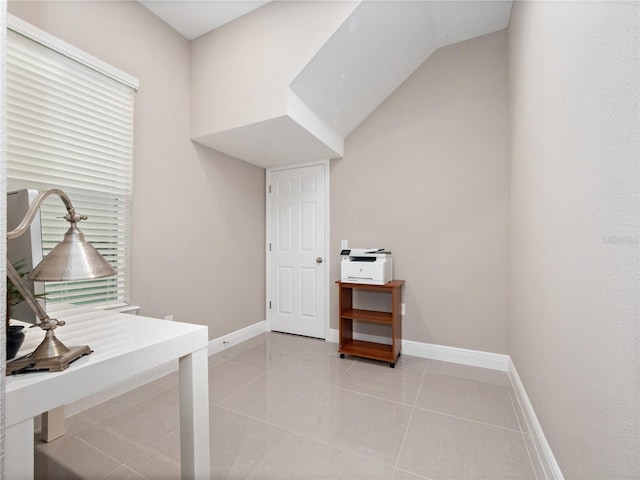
[319, 260]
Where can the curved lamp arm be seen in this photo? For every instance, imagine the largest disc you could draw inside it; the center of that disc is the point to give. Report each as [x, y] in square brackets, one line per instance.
[71, 216]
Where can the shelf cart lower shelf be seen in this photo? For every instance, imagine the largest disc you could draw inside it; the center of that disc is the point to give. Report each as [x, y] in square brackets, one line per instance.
[374, 351]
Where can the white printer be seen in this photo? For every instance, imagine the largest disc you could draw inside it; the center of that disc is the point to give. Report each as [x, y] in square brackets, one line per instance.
[373, 266]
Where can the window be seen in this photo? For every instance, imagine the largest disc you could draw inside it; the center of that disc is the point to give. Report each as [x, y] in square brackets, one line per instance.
[70, 126]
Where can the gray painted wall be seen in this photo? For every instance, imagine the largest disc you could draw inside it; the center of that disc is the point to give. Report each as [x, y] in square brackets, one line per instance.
[198, 215]
[426, 176]
[574, 83]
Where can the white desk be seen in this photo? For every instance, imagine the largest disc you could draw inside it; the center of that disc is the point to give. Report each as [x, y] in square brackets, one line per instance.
[123, 346]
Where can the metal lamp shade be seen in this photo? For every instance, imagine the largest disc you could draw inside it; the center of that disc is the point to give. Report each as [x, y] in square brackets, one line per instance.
[72, 259]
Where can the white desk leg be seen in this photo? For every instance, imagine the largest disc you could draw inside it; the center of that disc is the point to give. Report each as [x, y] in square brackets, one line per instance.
[53, 424]
[194, 416]
[18, 460]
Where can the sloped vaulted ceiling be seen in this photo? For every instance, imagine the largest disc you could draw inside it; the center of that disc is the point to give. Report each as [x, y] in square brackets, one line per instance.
[379, 46]
[343, 63]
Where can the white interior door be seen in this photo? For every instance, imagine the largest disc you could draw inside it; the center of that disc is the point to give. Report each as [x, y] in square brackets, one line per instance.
[297, 264]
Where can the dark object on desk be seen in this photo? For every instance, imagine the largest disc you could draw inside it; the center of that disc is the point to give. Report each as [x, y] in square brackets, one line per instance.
[15, 337]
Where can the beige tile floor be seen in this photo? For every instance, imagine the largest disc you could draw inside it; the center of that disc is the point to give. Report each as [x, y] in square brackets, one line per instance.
[287, 407]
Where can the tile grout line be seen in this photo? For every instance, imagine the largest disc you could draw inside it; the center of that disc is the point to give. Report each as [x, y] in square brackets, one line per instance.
[341, 449]
[370, 395]
[527, 423]
[231, 360]
[406, 432]
[503, 383]
[211, 403]
[153, 445]
[264, 457]
[468, 419]
[264, 374]
[308, 437]
[118, 462]
[377, 396]
[417, 475]
[303, 435]
[122, 465]
[413, 409]
[461, 377]
[523, 437]
[119, 410]
[266, 422]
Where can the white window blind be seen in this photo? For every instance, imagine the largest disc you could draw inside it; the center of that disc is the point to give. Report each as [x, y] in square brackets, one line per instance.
[71, 127]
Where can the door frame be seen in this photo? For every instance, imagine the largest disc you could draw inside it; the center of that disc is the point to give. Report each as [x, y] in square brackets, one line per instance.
[325, 255]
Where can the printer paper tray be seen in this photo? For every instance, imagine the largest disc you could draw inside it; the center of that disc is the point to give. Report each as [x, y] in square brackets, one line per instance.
[369, 280]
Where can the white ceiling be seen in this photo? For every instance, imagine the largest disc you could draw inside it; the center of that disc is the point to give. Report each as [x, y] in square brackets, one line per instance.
[194, 18]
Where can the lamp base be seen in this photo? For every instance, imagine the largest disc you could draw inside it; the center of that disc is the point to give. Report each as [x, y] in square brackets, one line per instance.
[54, 364]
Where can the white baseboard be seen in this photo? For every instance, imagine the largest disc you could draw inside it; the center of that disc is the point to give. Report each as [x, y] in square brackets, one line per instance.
[474, 358]
[216, 345]
[222, 343]
[547, 459]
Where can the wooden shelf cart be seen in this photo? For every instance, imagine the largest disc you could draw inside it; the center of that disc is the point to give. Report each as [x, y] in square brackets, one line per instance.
[348, 315]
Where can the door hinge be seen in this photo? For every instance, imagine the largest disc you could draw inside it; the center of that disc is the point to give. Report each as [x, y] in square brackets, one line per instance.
[269, 304]
[269, 188]
[269, 247]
